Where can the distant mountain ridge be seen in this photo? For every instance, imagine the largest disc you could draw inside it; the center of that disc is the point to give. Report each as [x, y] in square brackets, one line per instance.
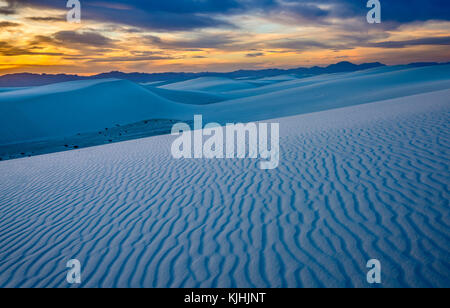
[30, 79]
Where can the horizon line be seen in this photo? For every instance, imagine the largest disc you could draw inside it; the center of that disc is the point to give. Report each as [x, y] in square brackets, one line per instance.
[225, 72]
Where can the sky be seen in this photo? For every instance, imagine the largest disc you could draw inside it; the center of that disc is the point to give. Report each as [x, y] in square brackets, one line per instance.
[217, 35]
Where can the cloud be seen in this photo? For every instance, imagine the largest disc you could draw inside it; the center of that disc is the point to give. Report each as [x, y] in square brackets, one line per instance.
[89, 38]
[157, 21]
[399, 11]
[297, 44]
[173, 15]
[255, 55]
[353, 41]
[445, 40]
[289, 11]
[10, 8]
[6, 49]
[130, 59]
[404, 11]
[74, 39]
[186, 15]
[47, 19]
[8, 24]
[205, 41]
[83, 42]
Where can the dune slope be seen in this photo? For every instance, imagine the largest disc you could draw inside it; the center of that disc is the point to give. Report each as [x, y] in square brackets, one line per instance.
[283, 83]
[210, 84]
[328, 92]
[71, 108]
[362, 182]
[188, 97]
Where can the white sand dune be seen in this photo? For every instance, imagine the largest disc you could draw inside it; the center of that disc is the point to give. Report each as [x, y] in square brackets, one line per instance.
[188, 97]
[2, 90]
[328, 92]
[280, 78]
[70, 108]
[285, 82]
[362, 182]
[210, 84]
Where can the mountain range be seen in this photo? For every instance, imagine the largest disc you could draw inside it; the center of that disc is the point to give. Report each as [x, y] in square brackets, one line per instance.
[30, 79]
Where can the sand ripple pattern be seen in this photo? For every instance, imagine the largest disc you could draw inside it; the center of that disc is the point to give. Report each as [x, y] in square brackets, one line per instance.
[370, 181]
